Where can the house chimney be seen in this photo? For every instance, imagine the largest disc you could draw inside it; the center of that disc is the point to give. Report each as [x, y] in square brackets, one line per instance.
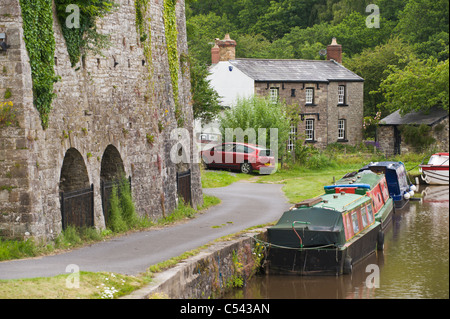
[334, 51]
[224, 50]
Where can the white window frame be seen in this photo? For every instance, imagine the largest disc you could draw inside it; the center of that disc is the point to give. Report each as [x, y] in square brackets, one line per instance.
[274, 95]
[342, 123]
[341, 94]
[292, 137]
[309, 95]
[309, 129]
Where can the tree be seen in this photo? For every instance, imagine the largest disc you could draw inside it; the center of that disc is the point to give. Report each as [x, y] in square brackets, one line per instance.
[421, 85]
[425, 24]
[205, 98]
[371, 65]
[258, 113]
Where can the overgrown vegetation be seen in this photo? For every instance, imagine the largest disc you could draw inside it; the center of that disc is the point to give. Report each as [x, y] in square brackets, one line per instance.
[170, 23]
[418, 136]
[81, 33]
[40, 43]
[7, 114]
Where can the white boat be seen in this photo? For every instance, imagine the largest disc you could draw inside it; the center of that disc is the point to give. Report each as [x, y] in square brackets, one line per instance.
[436, 171]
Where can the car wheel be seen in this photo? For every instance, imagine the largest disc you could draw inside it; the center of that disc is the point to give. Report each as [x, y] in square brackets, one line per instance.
[246, 168]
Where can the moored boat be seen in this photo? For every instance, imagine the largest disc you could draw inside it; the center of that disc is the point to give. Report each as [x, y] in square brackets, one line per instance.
[372, 185]
[400, 189]
[325, 235]
[436, 171]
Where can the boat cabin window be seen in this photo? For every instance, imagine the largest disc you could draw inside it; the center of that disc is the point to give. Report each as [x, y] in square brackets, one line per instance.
[348, 227]
[364, 217]
[370, 213]
[355, 222]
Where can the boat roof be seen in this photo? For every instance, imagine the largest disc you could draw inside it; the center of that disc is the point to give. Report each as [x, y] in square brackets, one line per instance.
[341, 202]
[364, 179]
[326, 214]
[387, 165]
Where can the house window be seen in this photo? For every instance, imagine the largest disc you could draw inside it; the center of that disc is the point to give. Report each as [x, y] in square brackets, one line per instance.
[292, 92]
[341, 94]
[341, 129]
[274, 95]
[309, 96]
[292, 137]
[309, 130]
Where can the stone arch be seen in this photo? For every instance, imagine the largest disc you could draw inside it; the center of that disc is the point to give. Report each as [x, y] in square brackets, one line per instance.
[74, 175]
[76, 193]
[112, 169]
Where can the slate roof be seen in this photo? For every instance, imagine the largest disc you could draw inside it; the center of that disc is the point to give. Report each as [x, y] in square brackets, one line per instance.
[417, 118]
[263, 70]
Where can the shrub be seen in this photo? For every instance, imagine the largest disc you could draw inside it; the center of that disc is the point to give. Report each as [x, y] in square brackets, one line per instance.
[115, 220]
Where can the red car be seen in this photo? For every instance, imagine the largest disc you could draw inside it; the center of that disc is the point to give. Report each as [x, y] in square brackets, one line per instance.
[240, 156]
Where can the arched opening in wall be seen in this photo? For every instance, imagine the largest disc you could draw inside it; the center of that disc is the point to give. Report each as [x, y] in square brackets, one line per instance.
[76, 194]
[112, 171]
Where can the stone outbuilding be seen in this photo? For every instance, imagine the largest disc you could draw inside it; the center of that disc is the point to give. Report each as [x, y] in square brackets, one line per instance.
[389, 134]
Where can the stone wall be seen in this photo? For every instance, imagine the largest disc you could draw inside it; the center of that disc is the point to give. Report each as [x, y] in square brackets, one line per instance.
[212, 272]
[112, 103]
[386, 139]
[439, 131]
[325, 111]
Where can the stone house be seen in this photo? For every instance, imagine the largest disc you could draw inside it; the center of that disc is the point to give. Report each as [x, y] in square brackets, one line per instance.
[329, 97]
[389, 135]
[112, 115]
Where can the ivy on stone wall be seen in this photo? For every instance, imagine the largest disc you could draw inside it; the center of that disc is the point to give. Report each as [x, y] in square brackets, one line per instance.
[170, 23]
[143, 29]
[40, 43]
[80, 31]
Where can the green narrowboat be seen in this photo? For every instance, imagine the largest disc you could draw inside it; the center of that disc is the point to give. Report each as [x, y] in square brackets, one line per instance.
[330, 233]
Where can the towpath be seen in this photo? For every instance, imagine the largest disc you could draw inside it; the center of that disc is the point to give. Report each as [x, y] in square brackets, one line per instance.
[243, 205]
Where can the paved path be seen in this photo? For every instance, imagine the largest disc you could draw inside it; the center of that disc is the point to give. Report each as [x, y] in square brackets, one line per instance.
[243, 205]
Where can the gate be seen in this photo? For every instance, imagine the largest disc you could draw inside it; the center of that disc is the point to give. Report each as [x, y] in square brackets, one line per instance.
[105, 192]
[77, 208]
[184, 186]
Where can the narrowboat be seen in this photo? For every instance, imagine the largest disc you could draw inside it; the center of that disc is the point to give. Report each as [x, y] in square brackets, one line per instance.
[326, 235]
[436, 171]
[372, 185]
[400, 189]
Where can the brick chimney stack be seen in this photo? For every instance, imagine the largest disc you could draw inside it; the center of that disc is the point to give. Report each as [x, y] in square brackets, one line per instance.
[224, 50]
[334, 51]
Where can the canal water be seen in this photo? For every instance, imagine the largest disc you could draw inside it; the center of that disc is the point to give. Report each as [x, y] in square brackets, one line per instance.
[414, 263]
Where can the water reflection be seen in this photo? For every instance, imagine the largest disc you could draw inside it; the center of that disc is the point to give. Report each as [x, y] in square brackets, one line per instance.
[414, 263]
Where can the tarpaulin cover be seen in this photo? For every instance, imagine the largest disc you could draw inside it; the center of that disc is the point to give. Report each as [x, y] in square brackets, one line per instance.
[325, 227]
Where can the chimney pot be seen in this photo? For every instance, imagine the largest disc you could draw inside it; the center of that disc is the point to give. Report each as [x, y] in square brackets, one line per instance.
[334, 51]
[224, 50]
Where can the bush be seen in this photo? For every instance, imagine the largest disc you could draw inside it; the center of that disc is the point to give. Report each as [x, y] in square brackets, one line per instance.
[115, 220]
[258, 113]
[122, 212]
